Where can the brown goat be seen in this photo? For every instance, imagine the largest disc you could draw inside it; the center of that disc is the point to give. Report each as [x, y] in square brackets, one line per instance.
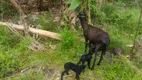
[99, 38]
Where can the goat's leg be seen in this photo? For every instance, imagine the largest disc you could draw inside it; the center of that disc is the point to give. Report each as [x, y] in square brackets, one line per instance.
[77, 76]
[62, 74]
[103, 52]
[90, 47]
[94, 60]
[67, 71]
[86, 44]
[83, 62]
[89, 63]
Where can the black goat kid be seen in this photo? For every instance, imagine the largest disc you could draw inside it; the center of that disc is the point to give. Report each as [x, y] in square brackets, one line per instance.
[71, 66]
[99, 38]
[85, 58]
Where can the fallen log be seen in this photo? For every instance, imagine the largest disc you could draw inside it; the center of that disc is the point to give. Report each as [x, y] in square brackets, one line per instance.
[52, 35]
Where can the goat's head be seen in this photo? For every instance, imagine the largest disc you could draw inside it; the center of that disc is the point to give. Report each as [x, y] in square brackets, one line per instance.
[82, 16]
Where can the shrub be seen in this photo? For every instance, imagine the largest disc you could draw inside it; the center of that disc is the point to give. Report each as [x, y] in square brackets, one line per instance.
[11, 49]
[68, 38]
[6, 9]
[46, 22]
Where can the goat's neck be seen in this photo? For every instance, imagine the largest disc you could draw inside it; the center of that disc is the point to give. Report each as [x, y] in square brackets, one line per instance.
[84, 25]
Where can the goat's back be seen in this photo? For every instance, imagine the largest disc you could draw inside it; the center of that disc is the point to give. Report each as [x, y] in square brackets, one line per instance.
[69, 65]
[97, 35]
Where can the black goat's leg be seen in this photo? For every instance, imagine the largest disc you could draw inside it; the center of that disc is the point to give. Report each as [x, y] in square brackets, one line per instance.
[77, 76]
[67, 72]
[90, 48]
[86, 44]
[62, 74]
[103, 52]
[83, 62]
[94, 60]
[89, 63]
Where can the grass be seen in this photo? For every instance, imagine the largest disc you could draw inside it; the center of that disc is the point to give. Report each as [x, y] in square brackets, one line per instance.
[55, 59]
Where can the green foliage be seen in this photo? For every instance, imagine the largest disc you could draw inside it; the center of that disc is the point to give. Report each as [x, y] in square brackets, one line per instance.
[68, 38]
[12, 59]
[7, 38]
[140, 3]
[96, 15]
[74, 4]
[5, 9]
[11, 50]
[46, 22]
[9, 62]
[109, 9]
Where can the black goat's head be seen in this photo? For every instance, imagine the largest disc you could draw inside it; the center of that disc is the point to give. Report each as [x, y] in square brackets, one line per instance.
[82, 16]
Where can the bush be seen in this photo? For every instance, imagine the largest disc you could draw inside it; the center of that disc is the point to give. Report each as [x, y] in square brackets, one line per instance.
[11, 49]
[5, 9]
[68, 38]
[7, 38]
[9, 62]
[46, 22]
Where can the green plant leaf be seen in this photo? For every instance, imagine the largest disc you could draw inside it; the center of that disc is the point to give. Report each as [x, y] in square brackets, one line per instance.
[74, 4]
[69, 2]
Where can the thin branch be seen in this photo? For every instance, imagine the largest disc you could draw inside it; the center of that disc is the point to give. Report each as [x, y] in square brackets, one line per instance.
[22, 14]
